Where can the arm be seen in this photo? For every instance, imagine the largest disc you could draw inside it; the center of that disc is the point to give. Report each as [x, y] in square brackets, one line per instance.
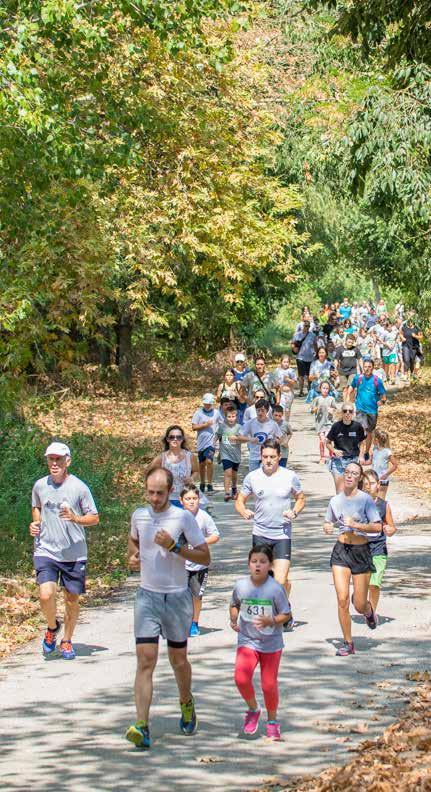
[389, 526]
[157, 462]
[392, 466]
[36, 520]
[219, 391]
[199, 554]
[371, 527]
[86, 520]
[241, 508]
[133, 560]
[291, 514]
[234, 613]
[198, 427]
[195, 467]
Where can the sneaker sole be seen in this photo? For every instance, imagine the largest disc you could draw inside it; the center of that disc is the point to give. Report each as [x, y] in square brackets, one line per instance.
[136, 738]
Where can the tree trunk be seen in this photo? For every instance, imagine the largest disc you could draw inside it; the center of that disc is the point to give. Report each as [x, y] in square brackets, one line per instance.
[377, 292]
[124, 351]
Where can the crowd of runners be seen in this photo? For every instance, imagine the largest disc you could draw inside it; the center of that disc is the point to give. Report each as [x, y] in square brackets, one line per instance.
[340, 362]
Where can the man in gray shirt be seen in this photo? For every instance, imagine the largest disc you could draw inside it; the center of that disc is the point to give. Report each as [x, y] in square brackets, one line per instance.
[62, 507]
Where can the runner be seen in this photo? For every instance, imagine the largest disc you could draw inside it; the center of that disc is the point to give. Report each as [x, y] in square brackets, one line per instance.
[231, 389]
[198, 573]
[240, 367]
[205, 421]
[261, 379]
[343, 442]
[251, 410]
[230, 451]
[410, 337]
[370, 395]
[273, 488]
[286, 378]
[347, 361]
[378, 545]
[304, 346]
[355, 515]
[383, 461]
[286, 436]
[163, 604]
[259, 607]
[323, 407]
[178, 459]
[320, 371]
[256, 431]
[62, 508]
[389, 351]
[345, 309]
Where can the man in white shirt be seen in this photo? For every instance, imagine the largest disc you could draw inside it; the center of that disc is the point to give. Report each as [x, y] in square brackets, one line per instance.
[158, 546]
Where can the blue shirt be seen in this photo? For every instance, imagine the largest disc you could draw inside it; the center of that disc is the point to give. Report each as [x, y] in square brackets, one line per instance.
[368, 392]
[345, 311]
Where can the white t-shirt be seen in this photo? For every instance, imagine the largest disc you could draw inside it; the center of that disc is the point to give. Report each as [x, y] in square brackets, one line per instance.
[206, 437]
[162, 570]
[272, 497]
[263, 431]
[208, 528]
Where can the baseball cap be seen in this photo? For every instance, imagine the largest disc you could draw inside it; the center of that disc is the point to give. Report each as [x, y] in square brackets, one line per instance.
[239, 358]
[59, 449]
[208, 398]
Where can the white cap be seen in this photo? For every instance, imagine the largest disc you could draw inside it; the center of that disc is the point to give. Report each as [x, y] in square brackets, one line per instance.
[239, 357]
[58, 449]
[208, 398]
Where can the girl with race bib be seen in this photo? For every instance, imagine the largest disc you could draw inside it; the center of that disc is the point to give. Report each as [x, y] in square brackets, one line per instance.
[258, 609]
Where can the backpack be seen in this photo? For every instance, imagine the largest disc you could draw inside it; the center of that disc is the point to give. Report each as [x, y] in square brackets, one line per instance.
[375, 380]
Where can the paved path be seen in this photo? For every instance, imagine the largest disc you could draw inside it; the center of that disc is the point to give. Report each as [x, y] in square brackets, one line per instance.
[62, 723]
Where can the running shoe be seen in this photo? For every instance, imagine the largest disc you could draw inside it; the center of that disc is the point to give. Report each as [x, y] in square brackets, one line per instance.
[202, 487]
[66, 650]
[234, 493]
[251, 721]
[194, 630]
[188, 720]
[210, 489]
[371, 620]
[139, 735]
[50, 639]
[345, 649]
[227, 497]
[273, 731]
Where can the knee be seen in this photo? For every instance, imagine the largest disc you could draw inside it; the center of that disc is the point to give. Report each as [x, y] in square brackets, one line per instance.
[178, 663]
[360, 605]
[71, 599]
[343, 601]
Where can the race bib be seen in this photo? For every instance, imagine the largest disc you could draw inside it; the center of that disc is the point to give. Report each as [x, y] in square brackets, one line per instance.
[252, 608]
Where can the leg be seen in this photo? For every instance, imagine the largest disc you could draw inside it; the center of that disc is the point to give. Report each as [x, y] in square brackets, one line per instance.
[245, 664]
[368, 441]
[301, 384]
[48, 604]
[374, 595]
[183, 672]
[202, 471]
[341, 576]
[234, 479]
[71, 613]
[269, 664]
[146, 657]
[338, 481]
[227, 475]
[210, 470]
[322, 438]
[197, 607]
[360, 592]
[281, 568]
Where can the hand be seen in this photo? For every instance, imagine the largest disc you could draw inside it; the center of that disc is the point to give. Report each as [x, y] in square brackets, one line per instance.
[233, 438]
[263, 621]
[389, 530]
[328, 527]
[254, 441]
[362, 461]
[349, 522]
[338, 453]
[247, 514]
[234, 625]
[34, 528]
[209, 423]
[134, 561]
[67, 514]
[163, 538]
[289, 514]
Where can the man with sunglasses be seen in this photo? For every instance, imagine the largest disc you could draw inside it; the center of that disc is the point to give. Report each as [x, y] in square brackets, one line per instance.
[343, 442]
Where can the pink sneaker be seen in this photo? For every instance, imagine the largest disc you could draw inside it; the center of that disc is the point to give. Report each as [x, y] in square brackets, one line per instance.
[273, 731]
[251, 721]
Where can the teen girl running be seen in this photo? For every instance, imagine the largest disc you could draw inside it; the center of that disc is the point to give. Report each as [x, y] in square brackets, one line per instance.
[378, 545]
[258, 610]
[383, 461]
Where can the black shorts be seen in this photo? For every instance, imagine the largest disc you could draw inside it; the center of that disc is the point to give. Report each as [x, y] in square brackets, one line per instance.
[303, 367]
[281, 548]
[198, 579]
[357, 558]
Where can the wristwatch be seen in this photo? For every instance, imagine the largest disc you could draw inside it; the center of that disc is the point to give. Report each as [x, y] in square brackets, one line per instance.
[295, 512]
[176, 548]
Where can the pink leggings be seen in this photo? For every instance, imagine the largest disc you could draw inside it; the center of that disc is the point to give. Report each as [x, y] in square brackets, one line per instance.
[246, 662]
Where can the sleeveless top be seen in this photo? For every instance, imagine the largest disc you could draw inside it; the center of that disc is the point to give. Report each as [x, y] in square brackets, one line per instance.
[181, 471]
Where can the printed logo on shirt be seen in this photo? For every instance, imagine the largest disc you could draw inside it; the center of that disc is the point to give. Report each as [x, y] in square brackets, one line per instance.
[261, 436]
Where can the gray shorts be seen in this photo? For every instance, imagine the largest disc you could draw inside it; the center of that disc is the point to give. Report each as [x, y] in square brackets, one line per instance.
[168, 615]
[368, 421]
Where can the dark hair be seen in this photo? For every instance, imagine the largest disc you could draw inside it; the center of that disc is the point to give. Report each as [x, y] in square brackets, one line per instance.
[168, 431]
[168, 474]
[371, 474]
[225, 400]
[232, 408]
[277, 408]
[264, 549]
[189, 488]
[262, 403]
[259, 357]
[361, 472]
[274, 444]
[229, 368]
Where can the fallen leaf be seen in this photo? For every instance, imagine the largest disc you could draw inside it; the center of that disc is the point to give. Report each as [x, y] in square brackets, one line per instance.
[210, 759]
[419, 676]
[359, 728]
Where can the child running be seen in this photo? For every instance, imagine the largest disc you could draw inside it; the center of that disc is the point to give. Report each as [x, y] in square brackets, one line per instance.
[205, 421]
[378, 545]
[230, 451]
[197, 573]
[259, 607]
[278, 416]
[323, 407]
[383, 461]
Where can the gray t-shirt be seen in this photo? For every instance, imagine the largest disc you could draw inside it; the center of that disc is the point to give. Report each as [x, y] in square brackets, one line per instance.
[59, 539]
[252, 383]
[228, 450]
[323, 408]
[206, 437]
[268, 599]
[360, 506]
[208, 528]
[262, 431]
[307, 352]
[272, 497]
[161, 570]
[380, 461]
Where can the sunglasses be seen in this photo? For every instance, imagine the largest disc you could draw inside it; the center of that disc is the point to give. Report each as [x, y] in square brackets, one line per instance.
[175, 437]
[348, 411]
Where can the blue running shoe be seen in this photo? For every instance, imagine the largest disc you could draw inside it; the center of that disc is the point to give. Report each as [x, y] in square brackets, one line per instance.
[139, 735]
[66, 650]
[194, 630]
[188, 721]
[50, 639]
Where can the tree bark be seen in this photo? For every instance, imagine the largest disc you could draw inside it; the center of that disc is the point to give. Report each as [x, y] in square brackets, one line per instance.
[124, 351]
